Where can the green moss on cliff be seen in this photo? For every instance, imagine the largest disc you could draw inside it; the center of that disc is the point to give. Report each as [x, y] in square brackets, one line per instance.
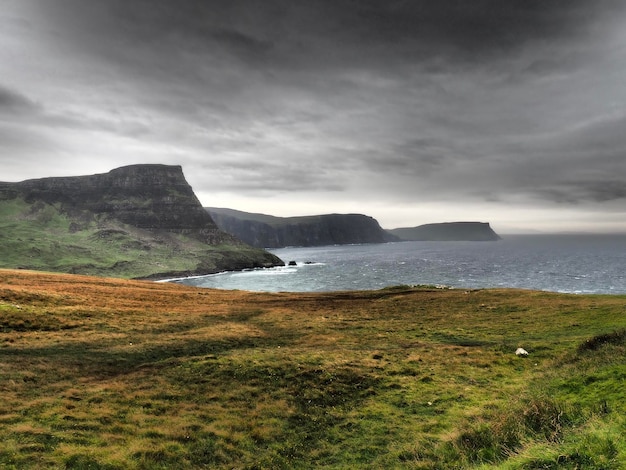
[45, 239]
[139, 221]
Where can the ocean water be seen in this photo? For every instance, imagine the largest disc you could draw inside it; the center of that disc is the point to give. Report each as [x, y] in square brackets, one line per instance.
[568, 263]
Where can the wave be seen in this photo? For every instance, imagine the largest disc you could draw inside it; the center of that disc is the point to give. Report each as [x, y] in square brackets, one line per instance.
[275, 271]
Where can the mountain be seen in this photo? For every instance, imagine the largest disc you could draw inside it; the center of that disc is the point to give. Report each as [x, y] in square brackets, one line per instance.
[135, 221]
[267, 231]
[448, 231]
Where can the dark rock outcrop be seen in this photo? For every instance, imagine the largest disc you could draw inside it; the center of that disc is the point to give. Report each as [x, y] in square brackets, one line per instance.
[154, 197]
[267, 231]
[140, 207]
[448, 231]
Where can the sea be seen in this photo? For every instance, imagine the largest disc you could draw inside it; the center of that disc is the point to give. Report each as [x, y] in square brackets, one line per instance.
[581, 264]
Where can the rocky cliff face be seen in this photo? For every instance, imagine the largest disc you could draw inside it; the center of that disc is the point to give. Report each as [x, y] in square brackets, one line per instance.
[151, 207]
[274, 232]
[155, 197]
[449, 231]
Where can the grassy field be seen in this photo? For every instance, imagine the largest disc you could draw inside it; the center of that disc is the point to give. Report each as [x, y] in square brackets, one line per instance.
[99, 373]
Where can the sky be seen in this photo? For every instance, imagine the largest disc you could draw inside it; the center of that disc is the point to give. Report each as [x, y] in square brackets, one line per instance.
[511, 112]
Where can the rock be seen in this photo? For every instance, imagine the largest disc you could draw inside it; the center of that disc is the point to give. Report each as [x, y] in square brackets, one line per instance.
[521, 352]
[292, 263]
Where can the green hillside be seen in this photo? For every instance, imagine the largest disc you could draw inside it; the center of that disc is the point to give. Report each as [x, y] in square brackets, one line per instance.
[42, 237]
[135, 221]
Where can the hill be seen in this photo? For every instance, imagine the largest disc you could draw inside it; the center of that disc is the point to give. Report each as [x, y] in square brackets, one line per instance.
[448, 231]
[114, 374]
[266, 231]
[134, 221]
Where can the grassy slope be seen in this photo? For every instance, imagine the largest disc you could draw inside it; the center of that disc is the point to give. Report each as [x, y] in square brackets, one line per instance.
[102, 373]
[40, 237]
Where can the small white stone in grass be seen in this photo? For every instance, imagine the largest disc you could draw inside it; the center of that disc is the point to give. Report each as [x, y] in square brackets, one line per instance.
[521, 352]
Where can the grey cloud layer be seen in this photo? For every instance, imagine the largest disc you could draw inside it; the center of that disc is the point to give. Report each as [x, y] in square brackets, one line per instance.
[402, 100]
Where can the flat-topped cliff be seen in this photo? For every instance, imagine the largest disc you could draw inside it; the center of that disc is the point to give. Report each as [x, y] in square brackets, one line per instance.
[134, 221]
[267, 231]
[447, 231]
[144, 196]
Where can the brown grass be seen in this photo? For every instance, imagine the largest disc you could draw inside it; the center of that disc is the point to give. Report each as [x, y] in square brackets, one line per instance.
[99, 372]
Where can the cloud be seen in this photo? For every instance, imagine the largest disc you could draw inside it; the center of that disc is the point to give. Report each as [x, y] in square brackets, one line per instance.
[575, 192]
[516, 102]
[13, 103]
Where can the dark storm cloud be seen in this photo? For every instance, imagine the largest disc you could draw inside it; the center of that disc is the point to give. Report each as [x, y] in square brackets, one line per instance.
[17, 108]
[334, 32]
[393, 100]
[593, 190]
[14, 103]
[286, 33]
[469, 30]
[252, 176]
[242, 45]
[19, 116]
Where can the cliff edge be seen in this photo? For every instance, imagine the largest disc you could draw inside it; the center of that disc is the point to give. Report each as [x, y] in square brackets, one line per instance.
[134, 221]
[266, 231]
[447, 231]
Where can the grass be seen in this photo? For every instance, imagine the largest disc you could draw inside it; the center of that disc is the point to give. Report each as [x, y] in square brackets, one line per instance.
[102, 373]
[41, 236]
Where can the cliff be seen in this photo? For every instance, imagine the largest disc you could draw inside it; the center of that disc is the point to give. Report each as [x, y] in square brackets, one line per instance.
[449, 231]
[134, 221]
[267, 231]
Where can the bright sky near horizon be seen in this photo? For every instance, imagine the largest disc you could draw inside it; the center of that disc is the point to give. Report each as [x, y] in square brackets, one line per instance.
[511, 112]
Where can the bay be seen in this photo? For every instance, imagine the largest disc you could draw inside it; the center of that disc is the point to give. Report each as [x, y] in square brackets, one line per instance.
[559, 263]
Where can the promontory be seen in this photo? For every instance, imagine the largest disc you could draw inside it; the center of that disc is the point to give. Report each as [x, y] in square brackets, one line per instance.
[268, 231]
[138, 221]
[447, 231]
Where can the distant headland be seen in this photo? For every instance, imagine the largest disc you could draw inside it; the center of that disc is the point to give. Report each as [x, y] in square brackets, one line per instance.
[267, 231]
[448, 231]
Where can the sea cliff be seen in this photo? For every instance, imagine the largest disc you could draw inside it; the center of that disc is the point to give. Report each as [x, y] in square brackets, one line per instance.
[267, 231]
[134, 221]
[447, 231]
